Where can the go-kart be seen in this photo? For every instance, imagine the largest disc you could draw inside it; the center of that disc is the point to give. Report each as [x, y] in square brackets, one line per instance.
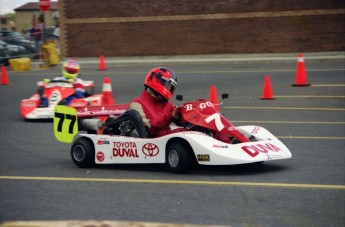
[123, 140]
[55, 92]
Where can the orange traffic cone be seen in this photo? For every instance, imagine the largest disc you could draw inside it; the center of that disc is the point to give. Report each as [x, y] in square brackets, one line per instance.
[4, 77]
[301, 74]
[107, 95]
[267, 93]
[102, 65]
[214, 97]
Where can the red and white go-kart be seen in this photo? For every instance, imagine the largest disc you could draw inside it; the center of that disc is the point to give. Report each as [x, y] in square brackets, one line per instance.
[56, 92]
[125, 143]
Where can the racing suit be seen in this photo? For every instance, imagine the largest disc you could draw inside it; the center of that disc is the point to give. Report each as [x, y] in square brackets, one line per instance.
[156, 115]
[77, 85]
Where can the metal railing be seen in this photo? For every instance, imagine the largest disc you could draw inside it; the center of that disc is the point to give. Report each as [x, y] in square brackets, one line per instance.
[16, 45]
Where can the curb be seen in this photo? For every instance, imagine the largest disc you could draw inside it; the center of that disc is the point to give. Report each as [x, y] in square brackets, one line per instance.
[235, 58]
[94, 223]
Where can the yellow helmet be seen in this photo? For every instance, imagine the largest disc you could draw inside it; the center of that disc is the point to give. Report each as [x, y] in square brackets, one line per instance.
[70, 69]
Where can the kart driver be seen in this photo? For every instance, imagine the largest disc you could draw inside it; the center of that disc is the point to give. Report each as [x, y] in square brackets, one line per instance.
[70, 72]
[154, 108]
[153, 104]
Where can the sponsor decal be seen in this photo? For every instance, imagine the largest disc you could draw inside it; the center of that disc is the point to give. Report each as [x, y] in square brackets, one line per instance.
[194, 133]
[203, 157]
[219, 146]
[102, 111]
[57, 84]
[255, 130]
[44, 110]
[100, 156]
[125, 149]
[29, 104]
[79, 104]
[150, 149]
[102, 142]
[254, 150]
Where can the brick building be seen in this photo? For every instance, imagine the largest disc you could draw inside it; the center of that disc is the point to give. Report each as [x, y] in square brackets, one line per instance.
[188, 27]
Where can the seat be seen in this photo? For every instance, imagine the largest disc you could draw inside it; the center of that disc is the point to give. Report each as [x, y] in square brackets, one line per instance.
[130, 123]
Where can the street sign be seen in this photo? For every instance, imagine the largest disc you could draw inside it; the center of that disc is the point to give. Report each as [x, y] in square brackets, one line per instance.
[44, 5]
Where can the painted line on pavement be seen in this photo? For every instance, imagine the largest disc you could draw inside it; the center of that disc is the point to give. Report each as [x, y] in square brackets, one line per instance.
[225, 71]
[95, 223]
[259, 71]
[309, 96]
[283, 108]
[313, 137]
[291, 122]
[327, 85]
[184, 182]
[211, 72]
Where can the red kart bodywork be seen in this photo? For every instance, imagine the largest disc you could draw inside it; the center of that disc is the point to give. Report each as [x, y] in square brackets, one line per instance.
[203, 113]
[55, 93]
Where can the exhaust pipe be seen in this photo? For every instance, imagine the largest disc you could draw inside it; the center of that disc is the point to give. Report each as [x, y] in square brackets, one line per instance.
[90, 124]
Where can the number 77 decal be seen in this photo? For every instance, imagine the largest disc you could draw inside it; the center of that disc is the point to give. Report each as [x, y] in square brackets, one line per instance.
[65, 123]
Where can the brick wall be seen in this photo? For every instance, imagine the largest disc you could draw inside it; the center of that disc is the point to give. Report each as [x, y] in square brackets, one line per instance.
[187, 27]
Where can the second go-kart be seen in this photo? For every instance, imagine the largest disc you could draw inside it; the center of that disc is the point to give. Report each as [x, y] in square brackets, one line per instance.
[56, 92]
[124, 140]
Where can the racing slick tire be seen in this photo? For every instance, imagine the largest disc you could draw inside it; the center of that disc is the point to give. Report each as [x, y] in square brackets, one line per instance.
[179, 158]
[83, 153]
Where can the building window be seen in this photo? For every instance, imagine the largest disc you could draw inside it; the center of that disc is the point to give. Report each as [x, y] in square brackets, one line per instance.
[3, 20]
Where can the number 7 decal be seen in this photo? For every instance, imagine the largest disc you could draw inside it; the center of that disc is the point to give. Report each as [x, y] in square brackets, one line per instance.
[218, 121]
[65, 127]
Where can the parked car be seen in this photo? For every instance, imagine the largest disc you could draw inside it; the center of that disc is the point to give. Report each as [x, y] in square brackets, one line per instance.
[9, 51]
[15, 38]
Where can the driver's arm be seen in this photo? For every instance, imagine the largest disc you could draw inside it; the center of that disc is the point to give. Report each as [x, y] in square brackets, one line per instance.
[137, 106]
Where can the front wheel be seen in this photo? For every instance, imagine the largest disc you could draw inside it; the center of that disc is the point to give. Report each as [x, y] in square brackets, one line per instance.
[179, 158]
[83, 153]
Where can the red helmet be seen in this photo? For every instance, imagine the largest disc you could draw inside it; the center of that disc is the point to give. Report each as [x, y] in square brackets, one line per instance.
[70, 69]
[163, 81]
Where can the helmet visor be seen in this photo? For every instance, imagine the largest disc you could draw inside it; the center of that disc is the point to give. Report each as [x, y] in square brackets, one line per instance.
[71, 70]
[169, 84]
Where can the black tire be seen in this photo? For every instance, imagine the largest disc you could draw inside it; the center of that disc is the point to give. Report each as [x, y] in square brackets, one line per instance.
[83, 153]
[179, 158]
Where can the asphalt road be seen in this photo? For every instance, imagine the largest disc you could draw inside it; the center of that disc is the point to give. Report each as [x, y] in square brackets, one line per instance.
[38, 180]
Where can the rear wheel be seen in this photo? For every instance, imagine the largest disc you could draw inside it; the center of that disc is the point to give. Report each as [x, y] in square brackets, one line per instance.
[179, 158]
[83, 153]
